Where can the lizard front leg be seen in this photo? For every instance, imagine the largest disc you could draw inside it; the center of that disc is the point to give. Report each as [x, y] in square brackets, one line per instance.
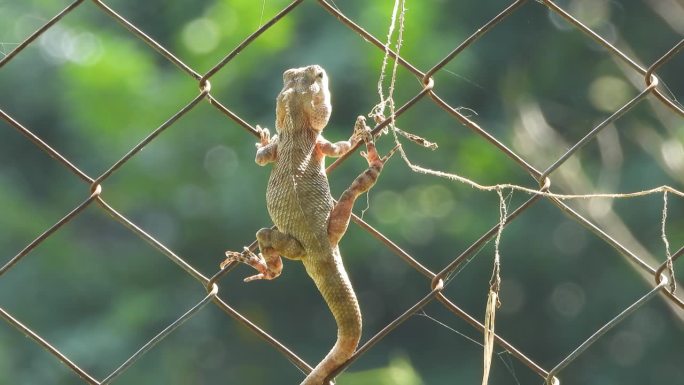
[267, 147]
[272, 244]
[341, 213]
[340, 148]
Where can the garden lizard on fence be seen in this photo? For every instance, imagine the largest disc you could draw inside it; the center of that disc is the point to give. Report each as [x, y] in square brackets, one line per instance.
[309, 222]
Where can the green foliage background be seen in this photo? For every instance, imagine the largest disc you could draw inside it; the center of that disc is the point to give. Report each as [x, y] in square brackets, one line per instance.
[98, 292]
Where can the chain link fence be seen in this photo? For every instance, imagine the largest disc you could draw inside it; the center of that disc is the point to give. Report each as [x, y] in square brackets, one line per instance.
[651, 87]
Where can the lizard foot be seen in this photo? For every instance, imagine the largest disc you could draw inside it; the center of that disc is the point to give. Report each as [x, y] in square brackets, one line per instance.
[258, 262]
[361, 131]
[264, 136]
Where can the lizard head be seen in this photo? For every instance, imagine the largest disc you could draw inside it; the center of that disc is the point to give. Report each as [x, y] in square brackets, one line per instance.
[305, 99]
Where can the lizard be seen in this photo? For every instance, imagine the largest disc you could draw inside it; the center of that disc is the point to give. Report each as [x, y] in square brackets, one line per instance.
[308, 222]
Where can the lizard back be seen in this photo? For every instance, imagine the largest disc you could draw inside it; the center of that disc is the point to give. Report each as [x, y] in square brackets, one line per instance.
[298, 195]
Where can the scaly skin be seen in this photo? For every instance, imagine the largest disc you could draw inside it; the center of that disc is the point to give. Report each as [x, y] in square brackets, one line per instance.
[309, 223]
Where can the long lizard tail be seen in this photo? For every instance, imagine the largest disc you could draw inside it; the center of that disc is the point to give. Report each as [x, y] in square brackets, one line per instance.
[332, 281]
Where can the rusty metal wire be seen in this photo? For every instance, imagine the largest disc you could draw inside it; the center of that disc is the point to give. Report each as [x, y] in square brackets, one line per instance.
[429, 90]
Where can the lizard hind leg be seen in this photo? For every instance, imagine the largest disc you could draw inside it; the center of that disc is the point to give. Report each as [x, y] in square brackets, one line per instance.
[341, 213]
[273, 241]
[272, 244]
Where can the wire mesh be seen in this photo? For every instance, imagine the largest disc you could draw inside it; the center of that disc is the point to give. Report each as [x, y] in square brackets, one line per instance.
[543, 178]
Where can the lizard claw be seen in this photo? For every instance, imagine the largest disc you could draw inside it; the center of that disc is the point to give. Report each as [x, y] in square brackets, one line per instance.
[361, 131]
[234, 256]
[264, 136]
[255, 277]
[256, 261]
[226, 262]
